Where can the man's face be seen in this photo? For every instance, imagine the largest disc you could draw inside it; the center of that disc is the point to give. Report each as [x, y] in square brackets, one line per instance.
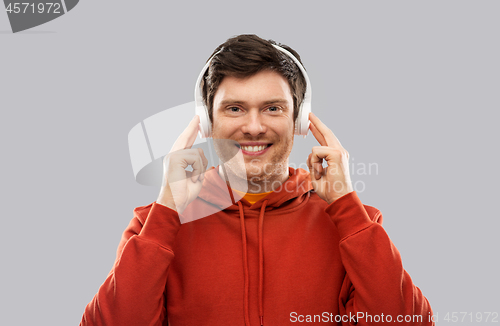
[256, 114]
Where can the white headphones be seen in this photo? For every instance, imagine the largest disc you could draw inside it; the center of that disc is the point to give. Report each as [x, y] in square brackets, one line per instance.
[301, 123]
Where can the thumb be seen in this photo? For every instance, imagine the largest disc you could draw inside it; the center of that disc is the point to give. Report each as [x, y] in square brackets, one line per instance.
[315, 169]
[312, 172]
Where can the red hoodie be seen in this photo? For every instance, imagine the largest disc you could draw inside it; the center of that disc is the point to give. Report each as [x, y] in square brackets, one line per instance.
[288, 258]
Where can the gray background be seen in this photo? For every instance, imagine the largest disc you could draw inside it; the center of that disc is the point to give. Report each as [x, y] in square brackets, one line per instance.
[411, 86]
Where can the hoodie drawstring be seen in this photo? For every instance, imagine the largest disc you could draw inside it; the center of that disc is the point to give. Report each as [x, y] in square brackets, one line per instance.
[245, 264]
[261, 262]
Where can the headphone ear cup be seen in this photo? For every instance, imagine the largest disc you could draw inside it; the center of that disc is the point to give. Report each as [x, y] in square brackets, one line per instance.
[205, 126]
[302, 121]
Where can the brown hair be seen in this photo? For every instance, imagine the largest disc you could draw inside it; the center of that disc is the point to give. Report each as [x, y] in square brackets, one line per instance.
[245, 55]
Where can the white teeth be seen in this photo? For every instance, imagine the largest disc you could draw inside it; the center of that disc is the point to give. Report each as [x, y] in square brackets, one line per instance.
[253, 148]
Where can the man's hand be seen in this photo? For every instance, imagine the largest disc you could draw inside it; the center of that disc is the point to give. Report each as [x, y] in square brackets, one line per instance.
[181, 187]
[334, 181]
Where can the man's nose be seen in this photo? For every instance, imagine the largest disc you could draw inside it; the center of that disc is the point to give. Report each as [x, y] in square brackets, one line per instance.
[254, 124]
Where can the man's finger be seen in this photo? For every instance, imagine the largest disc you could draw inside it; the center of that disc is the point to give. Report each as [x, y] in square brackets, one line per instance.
[203, 157]
[319, 137]
[198, 169]
[205, 163]
[188, 136]
[328, 135]
[191, 157]
[331, 155]
[315, 165]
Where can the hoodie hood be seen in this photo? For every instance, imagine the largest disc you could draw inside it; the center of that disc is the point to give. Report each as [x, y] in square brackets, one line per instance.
[216, 192]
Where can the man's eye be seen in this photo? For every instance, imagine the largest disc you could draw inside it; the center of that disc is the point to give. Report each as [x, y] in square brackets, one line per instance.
[274, 108]
[234, 109]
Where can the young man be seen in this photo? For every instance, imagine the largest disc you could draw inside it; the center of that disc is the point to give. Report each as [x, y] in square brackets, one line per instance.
[298, 247]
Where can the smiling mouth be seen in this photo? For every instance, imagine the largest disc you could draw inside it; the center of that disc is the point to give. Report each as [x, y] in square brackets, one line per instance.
[254, 149]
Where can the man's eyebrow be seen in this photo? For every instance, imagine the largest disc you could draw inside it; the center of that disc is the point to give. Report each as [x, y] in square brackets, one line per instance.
[272, 101]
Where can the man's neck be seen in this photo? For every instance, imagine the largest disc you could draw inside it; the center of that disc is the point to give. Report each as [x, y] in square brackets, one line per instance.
[254, 186]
